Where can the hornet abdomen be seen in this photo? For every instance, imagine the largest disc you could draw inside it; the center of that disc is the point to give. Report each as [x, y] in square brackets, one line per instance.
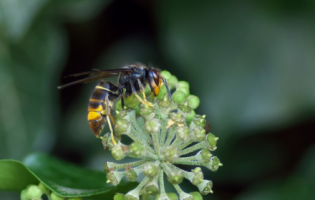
[100, 105]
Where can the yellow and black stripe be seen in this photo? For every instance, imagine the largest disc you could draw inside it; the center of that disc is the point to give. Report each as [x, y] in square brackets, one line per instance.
[100, 106]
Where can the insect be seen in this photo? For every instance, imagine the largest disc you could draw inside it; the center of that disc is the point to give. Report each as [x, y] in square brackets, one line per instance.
[131, 79]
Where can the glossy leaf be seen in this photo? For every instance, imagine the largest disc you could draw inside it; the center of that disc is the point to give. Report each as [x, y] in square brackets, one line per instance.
[15, 176]
[63, 178]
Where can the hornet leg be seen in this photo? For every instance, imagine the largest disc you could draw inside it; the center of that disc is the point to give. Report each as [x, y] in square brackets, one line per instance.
[146, 102]
[139, 98]
[108, 120]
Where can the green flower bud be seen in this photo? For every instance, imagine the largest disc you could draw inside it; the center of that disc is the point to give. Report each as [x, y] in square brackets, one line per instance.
[118, 106]
[199, 134]
[179, 97]
[185, 90]
[131, 175]
[131, 101]
[166, 74]
[23, 195]
[162, 92]
[182, 132]
[215, 163]
[205, 155]
[175, 177]
[119, 196]
[146, 110]
[105, 140]
[121, 114]
[177, 117]
[122, 126]
[184, 109]
[164, 196]
[150, 170]
[152, 126]
[200, 120]
[152, 189]
[196, 170]
[205, 187]
[172, 81]
[33, 192]
[130, 197]
[212, 140]
[196, 195]
[182, 84]
[193, 101]
[172, 196]
[136, 149]
[111, 178]
[164, 104]
[171, 153]
[190, 117]
[43, 188]
[118, 152]
[198, 177]
[54, 196]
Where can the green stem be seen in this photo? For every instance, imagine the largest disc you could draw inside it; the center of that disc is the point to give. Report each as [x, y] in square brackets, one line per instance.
[163, 130]
[156, 143]
[185, 145]
[177, 142]
[197, 146]
[132, 119]
[182, 194]
[133, 135]
[178, 189]
[184, 162]
[171, 135]
[161, 181]
[124, 165]
[135, 192]
[142, 183]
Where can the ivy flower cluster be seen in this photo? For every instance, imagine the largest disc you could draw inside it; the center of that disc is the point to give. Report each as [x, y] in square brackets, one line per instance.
[162, 137]
[40, 191]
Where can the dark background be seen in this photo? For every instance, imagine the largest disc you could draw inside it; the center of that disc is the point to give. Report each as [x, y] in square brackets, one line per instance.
[251, 64]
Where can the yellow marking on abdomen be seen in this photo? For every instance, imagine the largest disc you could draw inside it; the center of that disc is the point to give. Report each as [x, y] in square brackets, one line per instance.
[94, 116]
[98, 100]
[99, 108]
[102, 88]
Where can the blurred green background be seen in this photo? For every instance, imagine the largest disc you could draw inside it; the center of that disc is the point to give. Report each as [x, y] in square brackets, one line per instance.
[251, 63]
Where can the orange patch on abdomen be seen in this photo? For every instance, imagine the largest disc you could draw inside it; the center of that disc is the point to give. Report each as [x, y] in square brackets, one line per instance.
[94, 116]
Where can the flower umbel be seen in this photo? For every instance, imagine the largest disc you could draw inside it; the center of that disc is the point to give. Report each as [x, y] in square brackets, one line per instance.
[162, 136]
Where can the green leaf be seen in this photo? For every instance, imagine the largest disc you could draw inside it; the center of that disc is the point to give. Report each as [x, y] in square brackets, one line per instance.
[15, 176]
[28, 80]
[65, 179]
[16, 16]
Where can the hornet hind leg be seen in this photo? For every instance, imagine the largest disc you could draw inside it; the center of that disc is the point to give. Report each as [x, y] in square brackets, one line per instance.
[108, 114]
